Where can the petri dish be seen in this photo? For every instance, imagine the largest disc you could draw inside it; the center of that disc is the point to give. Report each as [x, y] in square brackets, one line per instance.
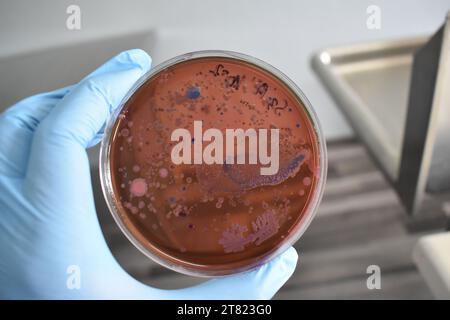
[213, 164]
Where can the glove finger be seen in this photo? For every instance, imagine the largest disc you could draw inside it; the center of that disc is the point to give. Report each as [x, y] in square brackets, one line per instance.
[29, 112]
[58, 160]
[109, 281]
[261, 283]
[17, 125]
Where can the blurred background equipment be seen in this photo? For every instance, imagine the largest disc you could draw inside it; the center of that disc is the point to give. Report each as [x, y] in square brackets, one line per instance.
[394, 94]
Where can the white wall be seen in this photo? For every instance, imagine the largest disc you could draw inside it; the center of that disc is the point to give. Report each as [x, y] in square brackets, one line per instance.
[283, 33]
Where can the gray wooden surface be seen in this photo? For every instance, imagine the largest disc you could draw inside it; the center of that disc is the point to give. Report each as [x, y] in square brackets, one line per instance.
[359, 223]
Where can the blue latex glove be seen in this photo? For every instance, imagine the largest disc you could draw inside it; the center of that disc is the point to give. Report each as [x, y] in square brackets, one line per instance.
[48, 221]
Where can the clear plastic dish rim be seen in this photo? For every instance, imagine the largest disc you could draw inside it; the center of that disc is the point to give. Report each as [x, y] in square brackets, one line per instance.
[186, 267]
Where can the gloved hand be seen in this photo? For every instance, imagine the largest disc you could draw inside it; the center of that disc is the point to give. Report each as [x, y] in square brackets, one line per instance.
[48, 222]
